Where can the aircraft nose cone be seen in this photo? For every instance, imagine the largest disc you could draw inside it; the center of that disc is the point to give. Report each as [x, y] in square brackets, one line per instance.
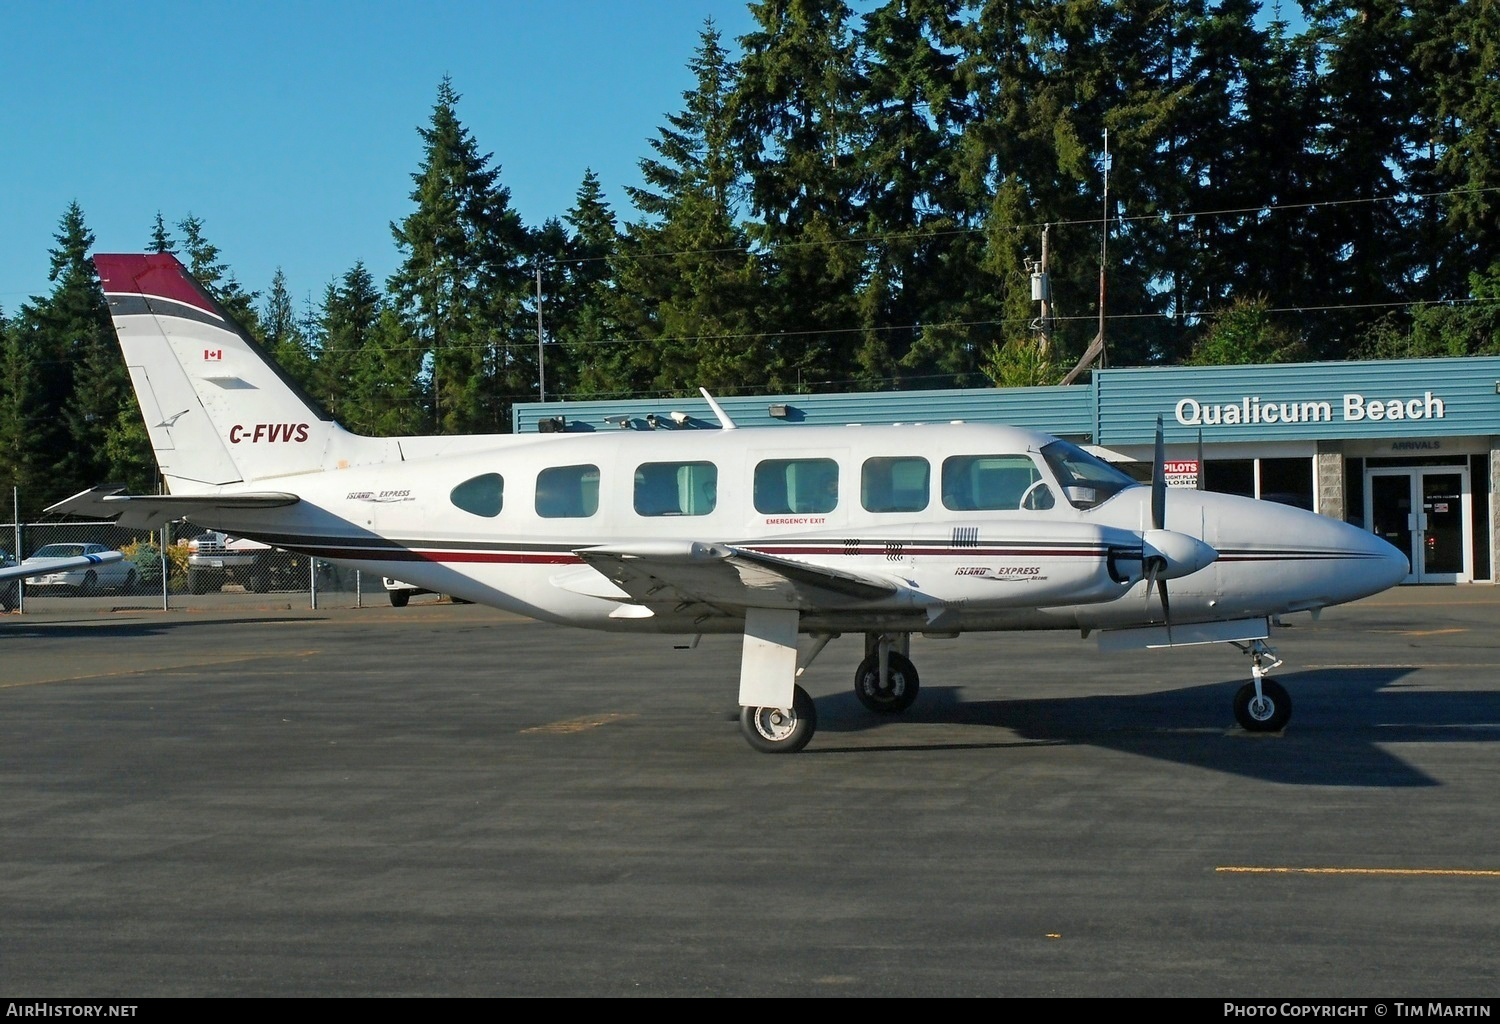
[1380, 564]
[1394, 565]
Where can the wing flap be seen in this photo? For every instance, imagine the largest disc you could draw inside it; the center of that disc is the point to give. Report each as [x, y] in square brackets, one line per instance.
[729, 579]
[149, 511]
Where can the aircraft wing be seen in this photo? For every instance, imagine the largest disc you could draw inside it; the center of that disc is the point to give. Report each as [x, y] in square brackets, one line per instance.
[149, 511]
[42, 566]
[729, 578]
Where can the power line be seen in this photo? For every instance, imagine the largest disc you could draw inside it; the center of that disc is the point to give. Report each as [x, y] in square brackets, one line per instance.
[1083, 221]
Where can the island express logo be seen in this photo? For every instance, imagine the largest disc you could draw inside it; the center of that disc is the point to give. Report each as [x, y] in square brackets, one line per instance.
[1356, 407]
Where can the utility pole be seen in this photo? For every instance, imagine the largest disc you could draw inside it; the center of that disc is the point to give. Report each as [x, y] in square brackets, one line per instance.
[541, 359]
[1046, 295]
[1104, 252]
[1041, 291]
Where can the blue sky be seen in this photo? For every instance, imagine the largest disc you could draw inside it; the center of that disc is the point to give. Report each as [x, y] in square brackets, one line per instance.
[289, 128]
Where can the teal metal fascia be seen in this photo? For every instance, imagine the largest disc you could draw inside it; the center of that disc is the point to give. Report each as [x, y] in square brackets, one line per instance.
[1069, 411]
[1301, 401]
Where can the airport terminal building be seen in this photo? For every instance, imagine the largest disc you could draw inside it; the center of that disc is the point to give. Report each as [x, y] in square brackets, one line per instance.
[1409, 448]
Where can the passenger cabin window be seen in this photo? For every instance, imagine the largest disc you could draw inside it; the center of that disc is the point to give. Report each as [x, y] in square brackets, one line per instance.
[480, 496]
[796, 485]
[567, 492]
[676, 488]
[895, 484]
[994, 482]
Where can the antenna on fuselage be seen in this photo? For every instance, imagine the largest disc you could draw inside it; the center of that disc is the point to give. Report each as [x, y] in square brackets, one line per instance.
[724, 421]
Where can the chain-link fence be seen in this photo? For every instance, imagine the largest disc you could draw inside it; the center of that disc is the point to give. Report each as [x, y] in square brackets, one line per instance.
[176, 567]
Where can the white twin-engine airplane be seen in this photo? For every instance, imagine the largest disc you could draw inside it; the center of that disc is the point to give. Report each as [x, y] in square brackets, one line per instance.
[773, 533]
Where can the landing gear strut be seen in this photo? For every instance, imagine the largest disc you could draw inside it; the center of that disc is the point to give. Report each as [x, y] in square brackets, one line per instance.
[886, 681]
[1262, 705]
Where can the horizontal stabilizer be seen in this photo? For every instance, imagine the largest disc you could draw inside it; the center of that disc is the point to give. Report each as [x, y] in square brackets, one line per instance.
[729, 578]
[149, 511]
[42, 566]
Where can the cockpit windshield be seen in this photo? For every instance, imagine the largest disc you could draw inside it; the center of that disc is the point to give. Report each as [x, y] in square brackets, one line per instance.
[1086, 480]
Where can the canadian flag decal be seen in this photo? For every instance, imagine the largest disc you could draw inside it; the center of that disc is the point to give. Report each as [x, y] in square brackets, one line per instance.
[213, 355]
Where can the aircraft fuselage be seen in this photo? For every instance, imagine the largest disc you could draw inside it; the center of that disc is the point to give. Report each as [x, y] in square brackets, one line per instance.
[984, 568]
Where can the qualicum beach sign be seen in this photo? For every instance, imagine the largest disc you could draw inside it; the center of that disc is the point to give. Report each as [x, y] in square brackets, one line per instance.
[1356, 407]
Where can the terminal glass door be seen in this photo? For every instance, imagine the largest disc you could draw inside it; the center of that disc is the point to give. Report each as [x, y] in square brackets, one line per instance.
[1424, 513]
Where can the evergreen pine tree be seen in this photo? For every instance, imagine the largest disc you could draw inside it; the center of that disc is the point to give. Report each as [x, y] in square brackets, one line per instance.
[286, 340]
[461, 288]
[24, 462]
[799, 130]
[347, 321]
[914, 100]
[79, 375]
[204, 264]
[161, 239]
[686, 294]
[580, 316]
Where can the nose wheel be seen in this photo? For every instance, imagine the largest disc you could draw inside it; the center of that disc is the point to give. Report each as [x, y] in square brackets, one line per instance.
[1265, 711]
[1262, 705]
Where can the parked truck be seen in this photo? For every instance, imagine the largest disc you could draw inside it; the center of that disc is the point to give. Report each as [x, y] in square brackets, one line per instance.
[215, 559]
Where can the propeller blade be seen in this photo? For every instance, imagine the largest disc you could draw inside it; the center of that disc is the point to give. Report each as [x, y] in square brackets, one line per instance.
[1201, 485]
[1166, 610]
[1154, 581]
[1159, 480]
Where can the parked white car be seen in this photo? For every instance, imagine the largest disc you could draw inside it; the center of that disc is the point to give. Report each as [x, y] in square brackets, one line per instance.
[119, 574]
[400, 592]
[10, 584]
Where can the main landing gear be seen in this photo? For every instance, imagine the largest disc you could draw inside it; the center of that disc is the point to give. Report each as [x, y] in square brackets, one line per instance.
[1262, 705]
[781, 730]
[886, 682]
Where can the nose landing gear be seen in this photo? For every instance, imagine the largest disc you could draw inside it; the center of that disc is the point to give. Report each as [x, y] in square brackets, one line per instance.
[1262, 705]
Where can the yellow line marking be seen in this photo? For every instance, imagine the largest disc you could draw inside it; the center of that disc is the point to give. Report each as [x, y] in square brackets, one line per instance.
[1403, 872]
[578, 724]
[165, 667]
[1400, 664]
[1422, 632]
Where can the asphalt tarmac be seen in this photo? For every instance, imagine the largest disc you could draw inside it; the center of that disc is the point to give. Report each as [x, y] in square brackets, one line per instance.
[256, 799]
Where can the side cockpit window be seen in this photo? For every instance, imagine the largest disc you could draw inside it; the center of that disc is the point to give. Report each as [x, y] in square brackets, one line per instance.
[480, 495]
[1003, 483]
[1086, 480]
[567, 492]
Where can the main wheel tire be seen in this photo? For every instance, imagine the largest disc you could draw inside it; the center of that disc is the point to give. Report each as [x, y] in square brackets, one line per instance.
[399, 598]
[900, 691]
[1270, 713]
[90, 583]
[130, 583]
[781, 730]
[197, 581]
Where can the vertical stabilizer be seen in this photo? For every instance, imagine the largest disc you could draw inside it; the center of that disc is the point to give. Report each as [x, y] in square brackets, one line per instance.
[219, 411]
